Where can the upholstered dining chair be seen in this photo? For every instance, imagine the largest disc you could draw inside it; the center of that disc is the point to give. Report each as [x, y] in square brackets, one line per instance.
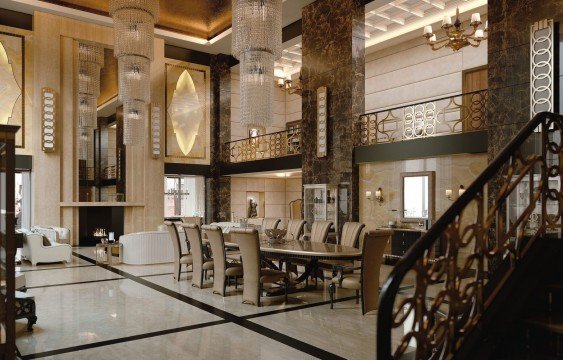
[295, 229]
[367, 281]
[200, 264]
[270, 223]
[319, 231]
[179, 258]
[222, 270]
[350, 237]
[253, 274]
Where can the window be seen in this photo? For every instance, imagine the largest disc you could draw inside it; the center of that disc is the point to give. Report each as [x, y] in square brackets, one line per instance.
[184, 196]
[23, 200]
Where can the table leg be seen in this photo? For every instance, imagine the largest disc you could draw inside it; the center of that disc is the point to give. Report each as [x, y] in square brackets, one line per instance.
[309, 268]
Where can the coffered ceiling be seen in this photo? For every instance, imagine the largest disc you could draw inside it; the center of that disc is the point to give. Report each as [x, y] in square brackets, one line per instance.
[197, 18]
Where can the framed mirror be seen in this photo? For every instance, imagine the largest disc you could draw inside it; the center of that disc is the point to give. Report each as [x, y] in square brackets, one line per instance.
[417, 196]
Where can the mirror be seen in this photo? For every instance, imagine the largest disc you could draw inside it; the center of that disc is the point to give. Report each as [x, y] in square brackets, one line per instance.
[100, 141]
[417, 196]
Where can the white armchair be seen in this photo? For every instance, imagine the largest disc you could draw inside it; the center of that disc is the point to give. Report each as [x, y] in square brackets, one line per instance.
[53, 233]
[34, 250]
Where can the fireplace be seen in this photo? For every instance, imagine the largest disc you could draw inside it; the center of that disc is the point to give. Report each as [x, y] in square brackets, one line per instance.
[91, 218]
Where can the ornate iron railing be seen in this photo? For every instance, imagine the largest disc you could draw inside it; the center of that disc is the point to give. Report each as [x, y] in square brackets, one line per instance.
[273, 145]
[487, 231]
[109, 172]
[449, 115]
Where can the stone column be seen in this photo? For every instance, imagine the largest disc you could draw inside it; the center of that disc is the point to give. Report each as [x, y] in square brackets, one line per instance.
[333, 56]
[218, 188]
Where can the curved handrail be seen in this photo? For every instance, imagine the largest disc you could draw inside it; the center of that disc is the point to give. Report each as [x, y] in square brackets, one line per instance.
[426, 242]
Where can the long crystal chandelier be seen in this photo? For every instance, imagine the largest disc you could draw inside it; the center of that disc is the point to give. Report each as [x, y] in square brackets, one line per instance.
[257, 43]
[134, 47]
[90, 62]
[456, 37]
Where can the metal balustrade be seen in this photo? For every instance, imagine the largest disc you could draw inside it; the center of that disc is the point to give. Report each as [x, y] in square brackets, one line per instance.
[268, 146]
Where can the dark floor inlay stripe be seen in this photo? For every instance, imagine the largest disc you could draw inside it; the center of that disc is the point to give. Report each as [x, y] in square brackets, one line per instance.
[247, 324]
[294, 308]
[144, 276]
[121, 340]
[73, 283]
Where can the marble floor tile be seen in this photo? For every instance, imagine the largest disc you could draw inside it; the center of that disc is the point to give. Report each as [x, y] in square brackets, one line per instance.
[342, 331]
[68, 275]
[26, 266]
[227, 341]
[85, 313]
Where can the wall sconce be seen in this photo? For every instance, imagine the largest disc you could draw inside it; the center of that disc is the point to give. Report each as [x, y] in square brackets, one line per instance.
[461, 190]
[48, 119]
[155, 131]
[377, 197]
[449, 194]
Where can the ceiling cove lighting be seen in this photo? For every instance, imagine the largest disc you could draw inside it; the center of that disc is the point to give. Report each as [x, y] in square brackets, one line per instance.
[134, 49]
[457, 38]
[257, 43]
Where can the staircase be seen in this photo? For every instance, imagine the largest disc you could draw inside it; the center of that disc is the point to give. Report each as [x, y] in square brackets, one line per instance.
[498, 291]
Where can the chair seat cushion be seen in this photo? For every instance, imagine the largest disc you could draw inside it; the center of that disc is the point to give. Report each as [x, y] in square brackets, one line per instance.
[233, 269]
[271, 276]
[208, 264]
[186, 259]
[349, 281]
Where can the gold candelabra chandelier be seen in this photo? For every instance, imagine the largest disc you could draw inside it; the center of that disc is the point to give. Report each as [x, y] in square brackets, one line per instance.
[457, 38]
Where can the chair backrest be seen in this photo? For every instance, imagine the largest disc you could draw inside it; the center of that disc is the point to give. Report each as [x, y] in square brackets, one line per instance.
[372, 256]
[249, 246]
[295, 229]
[174, 237]
[295, 208]
[193, 235]
[319, 231]
[351, 234]
[214, 235]
[270, 223]
[193, 220]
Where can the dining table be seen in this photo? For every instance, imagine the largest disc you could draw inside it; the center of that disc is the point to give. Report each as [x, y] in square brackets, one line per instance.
[288, 250]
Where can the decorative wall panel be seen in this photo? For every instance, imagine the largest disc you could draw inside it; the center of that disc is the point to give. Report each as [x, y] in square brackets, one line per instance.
[187, 111]
[12, 83]
[542, 72]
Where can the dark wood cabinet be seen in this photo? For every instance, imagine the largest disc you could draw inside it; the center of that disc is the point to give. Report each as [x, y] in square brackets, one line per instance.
[402, 240]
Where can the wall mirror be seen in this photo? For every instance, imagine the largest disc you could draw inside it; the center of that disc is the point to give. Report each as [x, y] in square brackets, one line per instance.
[101, 154]
[417, 196]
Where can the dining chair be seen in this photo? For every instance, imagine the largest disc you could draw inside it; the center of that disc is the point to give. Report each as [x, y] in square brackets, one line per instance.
[350, 237]
[295, 229]
[200, 263]
[319, 231]
[367, 281]
[222, 270]
[179, 258]
[254, 276]
[270, 223]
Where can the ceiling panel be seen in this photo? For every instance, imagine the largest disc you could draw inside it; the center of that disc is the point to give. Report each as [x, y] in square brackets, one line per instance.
[202, 19]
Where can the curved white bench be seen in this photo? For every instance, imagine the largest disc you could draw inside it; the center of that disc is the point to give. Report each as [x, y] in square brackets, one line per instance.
[149, 247]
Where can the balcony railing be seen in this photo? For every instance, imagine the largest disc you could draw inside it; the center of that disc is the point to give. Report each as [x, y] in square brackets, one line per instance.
[268, 146]
[444, 116]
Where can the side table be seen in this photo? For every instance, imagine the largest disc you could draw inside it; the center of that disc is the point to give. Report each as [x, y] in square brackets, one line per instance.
[106, 253]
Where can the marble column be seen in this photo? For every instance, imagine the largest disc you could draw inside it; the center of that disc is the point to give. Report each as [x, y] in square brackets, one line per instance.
[218, 188]
[509, 64]
[333, 56]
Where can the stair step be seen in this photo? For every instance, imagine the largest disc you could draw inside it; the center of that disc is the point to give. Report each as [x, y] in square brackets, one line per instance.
[549, 322]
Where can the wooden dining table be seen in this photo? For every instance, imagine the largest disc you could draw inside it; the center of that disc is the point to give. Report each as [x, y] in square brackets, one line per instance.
[291, 249]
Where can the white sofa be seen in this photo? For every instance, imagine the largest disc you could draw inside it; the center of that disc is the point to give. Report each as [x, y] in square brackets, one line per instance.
[149, 247]
[34, 250]
[54, 234]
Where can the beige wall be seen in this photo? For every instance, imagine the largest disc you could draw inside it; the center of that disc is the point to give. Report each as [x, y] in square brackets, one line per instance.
[278, 193]
[55, 175]
[410, 72]
[451, 171]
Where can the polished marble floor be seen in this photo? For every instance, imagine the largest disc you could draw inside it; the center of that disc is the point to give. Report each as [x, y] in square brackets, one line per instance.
[140, 312]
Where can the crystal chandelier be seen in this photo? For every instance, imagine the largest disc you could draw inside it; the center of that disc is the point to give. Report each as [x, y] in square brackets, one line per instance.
[457, 38]
[90, 62]
[134, 49]
[257, 43]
